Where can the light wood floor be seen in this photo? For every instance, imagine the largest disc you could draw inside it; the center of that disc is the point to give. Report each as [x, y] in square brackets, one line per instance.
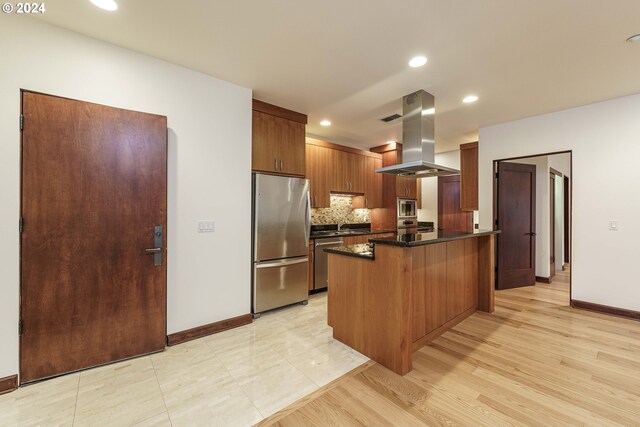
[535, 361]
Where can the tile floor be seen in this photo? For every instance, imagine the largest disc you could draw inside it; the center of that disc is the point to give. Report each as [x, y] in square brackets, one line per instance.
[234, 378]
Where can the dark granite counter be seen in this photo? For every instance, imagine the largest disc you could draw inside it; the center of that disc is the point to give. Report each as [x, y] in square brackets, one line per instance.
[363, 250]
[419, 239]
[347, 232]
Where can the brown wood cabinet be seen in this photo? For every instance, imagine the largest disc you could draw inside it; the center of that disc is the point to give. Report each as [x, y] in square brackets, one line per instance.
[318, 165]
[333, 168]
[393, 187]
[469, 176]
[278, 140]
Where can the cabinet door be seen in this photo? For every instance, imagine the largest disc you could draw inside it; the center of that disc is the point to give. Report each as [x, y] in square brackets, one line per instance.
[339, 171]
[264, 143]
[291, 151]
[372, 183]
[419, 193]
[436, 286]
[469, 176]
[318, 170]
[412, 188]
[357, 167]
[456, 287]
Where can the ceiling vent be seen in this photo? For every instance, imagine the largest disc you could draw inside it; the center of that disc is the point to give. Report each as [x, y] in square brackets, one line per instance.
[391, 118]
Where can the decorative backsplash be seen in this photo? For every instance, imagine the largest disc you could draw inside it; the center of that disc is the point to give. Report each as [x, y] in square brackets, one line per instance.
[340, 211]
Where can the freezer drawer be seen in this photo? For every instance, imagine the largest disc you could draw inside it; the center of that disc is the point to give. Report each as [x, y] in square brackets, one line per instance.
[279, 283]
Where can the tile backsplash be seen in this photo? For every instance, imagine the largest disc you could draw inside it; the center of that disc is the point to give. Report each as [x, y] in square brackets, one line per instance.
[340, 211]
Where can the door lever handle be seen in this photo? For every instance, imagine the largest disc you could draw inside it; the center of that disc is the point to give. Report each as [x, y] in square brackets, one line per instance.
[153, 250]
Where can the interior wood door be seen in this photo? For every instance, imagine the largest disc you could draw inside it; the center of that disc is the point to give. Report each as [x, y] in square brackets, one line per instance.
[94, 186]
[517, 222]
[450, 216]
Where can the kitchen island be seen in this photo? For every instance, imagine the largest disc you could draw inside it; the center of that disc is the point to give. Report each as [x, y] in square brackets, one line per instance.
[389, 300]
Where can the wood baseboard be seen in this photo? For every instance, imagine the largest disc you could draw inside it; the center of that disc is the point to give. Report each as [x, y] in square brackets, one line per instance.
[598, 308]
[211, 328]
[541, 279]
[8, 384]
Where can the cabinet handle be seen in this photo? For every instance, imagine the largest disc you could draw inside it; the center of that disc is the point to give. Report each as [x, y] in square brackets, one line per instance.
[366, 202]
[275, 164]
[280, 165]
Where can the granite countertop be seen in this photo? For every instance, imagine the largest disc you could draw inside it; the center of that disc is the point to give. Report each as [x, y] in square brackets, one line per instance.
[438, 236]
[346, 232]
[362, 250]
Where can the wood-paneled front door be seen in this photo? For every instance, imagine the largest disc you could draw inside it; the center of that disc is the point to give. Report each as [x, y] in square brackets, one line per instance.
[517, 222]
[94, 185]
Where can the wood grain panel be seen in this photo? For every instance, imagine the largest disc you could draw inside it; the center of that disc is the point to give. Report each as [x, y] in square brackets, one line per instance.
[469, 176]
[274, 110]
[436, 286]
[94, 186]
[291, 148]
[471, 273]
[8, 384]
[318, 173]
[264, 143]
[486, 273]
[332, 146]
[421, 303]
[450, 216]
[388, 307]
[456, 289]
[346, 279]
[210, 329]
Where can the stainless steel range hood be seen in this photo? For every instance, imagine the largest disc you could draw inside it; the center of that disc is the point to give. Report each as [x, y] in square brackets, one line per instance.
[418, 139]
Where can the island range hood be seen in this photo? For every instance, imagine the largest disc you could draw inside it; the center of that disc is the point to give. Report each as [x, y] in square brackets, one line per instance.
[418, 139]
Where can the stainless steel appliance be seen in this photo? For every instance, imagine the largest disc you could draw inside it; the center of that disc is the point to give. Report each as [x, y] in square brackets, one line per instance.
[407, 221]
[407, 208]
[281, 228]
[418, 139]
[320, 260]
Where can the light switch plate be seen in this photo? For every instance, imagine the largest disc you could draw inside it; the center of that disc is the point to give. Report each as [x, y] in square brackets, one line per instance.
[206, 226]
[613, 225]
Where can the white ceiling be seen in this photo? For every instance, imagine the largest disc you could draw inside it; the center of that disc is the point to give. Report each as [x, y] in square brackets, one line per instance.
[346, 60]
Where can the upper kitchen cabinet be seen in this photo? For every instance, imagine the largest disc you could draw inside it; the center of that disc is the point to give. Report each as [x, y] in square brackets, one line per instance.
[318, 165]
[278, 140]
[333, 168]
[469, 176]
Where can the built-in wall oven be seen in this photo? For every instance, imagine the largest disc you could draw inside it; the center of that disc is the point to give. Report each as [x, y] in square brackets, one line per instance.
[407, 221]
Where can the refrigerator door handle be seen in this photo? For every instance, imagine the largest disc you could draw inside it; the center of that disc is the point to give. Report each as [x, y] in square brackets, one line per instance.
[283, 262]
[307, 225]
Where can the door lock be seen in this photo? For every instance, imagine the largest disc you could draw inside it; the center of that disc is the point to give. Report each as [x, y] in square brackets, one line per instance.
[157, 243]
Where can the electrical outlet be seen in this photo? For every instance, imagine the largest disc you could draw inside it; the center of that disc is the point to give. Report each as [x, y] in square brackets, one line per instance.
[206, 226]
[613, 225]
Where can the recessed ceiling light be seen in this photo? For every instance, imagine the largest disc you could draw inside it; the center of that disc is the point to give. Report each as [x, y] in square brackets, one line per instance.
[390, 142]
[418, 61]
[325, 123]
[428, 111]
[110, 5]
[469, 99]
[634, 38]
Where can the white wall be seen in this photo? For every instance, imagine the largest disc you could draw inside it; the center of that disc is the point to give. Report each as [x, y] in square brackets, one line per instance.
[542, 212]
[604, 139]
[209, 164]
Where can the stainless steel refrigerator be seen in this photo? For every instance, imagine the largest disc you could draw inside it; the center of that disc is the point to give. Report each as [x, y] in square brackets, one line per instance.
[281, 227]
